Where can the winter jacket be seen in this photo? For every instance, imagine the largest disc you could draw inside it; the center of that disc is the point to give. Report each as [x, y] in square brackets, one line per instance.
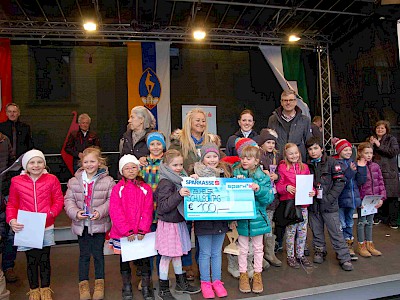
[188, 162]
[230, 149]
[139, 149]
[263, 197]
[131, 208]
[299, 133]
[74, 201]
[350, 196]
[77, 142]
[168, 199]
[24, 136]
[6, 159]
[385, 157]
[329, 176]
[288, 177]
[43, 195]
[374, 184]
[267, 159]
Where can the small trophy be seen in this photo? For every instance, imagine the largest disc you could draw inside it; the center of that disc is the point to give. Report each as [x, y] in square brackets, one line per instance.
[232, 248]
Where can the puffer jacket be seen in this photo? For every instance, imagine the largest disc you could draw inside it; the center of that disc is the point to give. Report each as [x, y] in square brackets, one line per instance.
[230, 149]
[168, 199]
[263, 197]
[350, 196]
[74, 201]
[374, 184]
[131, 208]
[43, 195]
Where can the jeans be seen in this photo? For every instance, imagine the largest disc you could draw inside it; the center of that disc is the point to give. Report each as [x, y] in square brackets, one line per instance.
[9, 251]
[364, 227]
[346, 222]
[210, 256]
[91, 245]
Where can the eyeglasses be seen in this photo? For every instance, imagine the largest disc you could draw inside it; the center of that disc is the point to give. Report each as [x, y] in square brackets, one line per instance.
[288, 100]
[130, 169]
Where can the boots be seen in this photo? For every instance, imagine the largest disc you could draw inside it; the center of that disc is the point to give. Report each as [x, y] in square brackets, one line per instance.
[233, 266]
[372, 250]
[45, 293]
[351, 250]
[84, 290]
[319, 255]
[163, 292]
[362, 250]
[147, 288]
[258, 286]
[269, 253]
[182, 286]
[98, 293]
[244, 283]
[34, 294]
[126, 285]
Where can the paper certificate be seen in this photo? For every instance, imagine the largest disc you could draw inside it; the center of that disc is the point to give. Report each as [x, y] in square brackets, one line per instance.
[219, 199]
[369, 203]
[304, 185]
[33, 233]
[138, 249]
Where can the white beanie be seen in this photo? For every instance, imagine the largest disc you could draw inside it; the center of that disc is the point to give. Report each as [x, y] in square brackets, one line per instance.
[127, 158]
[31, 154]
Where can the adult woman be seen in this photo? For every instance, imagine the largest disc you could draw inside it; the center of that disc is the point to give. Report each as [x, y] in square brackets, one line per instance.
[246, 123]
[386, 148]
[140, 123]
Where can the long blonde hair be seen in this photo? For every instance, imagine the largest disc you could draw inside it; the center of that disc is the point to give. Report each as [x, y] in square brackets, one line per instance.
[187, 143]
[288, 163]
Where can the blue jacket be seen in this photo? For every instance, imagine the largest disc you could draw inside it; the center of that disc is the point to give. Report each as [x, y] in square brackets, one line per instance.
[263, 197]
[350, 196]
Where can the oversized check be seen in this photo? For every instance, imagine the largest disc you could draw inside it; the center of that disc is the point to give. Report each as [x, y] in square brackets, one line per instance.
[219, 199]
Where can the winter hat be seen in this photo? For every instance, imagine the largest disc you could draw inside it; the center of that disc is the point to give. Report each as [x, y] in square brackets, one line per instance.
[265, 135]
[127, 158]
[240, 143]
[155, 136]
[207, 148]
[31, 154]
[340, 144]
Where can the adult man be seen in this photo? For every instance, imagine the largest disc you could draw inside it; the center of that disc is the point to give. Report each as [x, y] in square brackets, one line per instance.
[291, 126]
[81, 139]
[21, 141]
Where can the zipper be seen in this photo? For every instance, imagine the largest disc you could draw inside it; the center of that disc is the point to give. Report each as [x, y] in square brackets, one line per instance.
[265, 219]
[372, 180]
[34, 194]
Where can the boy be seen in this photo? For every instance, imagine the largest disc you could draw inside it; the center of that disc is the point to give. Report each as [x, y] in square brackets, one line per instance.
[329, 181]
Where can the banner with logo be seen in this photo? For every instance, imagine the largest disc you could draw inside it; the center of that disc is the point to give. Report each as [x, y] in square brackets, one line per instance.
[148, 72]
[5, 77]
[219, 199]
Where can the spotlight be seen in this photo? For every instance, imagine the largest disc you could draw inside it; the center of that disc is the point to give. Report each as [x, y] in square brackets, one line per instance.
[199, 34]
[90, 26]
[294, 38]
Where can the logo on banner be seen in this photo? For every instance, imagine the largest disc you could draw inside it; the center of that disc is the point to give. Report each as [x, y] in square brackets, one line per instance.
[149, 88]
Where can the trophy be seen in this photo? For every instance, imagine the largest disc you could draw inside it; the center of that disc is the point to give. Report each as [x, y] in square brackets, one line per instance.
[232, 248]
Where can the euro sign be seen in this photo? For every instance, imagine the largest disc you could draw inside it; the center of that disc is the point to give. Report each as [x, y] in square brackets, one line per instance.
[191, 206]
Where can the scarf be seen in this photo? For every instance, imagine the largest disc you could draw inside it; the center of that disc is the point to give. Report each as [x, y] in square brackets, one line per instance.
[136, 136]
[196, 141]
[316, 160]
[203, 171]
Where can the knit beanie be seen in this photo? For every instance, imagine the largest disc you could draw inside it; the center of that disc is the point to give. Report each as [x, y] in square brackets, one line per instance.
[31, 154]
[207, 148]
[340, 144]
[240, 143]
[265, 135]
[127, 158]
[155, 136]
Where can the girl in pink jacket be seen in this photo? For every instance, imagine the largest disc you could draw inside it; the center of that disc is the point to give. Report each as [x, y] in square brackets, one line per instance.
[86, 203]
[36, 191]
[131, 212]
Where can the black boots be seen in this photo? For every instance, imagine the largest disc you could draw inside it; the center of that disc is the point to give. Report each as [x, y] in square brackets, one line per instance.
[163, 291]
[182, 286]
[126, 285]
[147, 288]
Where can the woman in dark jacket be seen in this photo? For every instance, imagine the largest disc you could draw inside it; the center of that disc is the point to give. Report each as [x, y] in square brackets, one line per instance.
[386, 149]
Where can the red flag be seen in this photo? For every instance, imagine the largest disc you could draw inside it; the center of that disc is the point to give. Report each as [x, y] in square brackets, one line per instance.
[5, 77]
[68, 159]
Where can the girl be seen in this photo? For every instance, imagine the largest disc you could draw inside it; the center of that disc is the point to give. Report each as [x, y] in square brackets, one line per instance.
[86, 203]
[255, 228]
[286, 186]
[36, 191]
[211, 234]
[373, 186]
[172, 235]
[131, 212]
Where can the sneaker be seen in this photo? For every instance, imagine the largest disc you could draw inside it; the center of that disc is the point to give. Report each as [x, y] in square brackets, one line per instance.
[377, 221]
[319, 257]
[207, 290]
[10, 275]
[347, 266]
[305, 262]
[292, 262]
[394, 226]
[219, 289]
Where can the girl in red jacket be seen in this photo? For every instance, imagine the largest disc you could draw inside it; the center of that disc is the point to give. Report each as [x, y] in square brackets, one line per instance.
[286, 187]
[36, 191]
[87, 202]
[131, 212]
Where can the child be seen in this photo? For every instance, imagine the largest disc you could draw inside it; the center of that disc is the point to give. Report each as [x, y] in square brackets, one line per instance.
[286, 186]
[172, 235]
[211, 234]
[36, 191]
[329, 181]
[268, 162]
[349, 199]
[87, 201]
[255, 228]
[131, 212]
[374, 185]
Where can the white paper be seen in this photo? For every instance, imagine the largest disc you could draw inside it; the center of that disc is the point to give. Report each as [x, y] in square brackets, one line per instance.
[138, 249]
[369, 203]
[33, 233]
[304, 185]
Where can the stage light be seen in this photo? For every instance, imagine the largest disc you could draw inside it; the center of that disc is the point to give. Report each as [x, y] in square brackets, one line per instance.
[199, 34]
[294, 38]
[90, 26]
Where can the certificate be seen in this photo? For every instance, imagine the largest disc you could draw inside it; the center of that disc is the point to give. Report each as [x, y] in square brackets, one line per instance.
[219, 199]
[369, 203]
[304, 185]
[138, 249]
[33, 233]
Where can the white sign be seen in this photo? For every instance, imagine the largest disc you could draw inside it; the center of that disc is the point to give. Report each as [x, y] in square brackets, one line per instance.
[138, 249]
[304, 185]
[211, 114]
[369, 203]
[33, 233]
